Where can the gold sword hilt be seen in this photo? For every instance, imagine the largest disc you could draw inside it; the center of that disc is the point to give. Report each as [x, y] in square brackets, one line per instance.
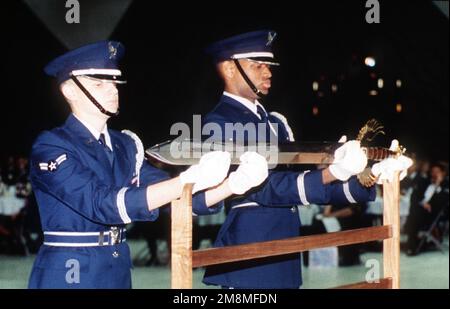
[366, 178]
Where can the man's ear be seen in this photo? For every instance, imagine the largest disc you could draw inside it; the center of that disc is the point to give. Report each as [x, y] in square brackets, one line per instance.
[227, 69]
[68, 90]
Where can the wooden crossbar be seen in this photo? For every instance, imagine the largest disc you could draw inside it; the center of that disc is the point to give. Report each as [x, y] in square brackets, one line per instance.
[228, 254]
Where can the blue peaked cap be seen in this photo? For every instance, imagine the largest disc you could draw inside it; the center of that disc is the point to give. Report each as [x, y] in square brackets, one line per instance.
[255, 45]
[99, 60]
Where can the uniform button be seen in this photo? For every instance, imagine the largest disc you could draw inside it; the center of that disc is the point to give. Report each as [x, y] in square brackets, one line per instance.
[294, 209]
[115, 254]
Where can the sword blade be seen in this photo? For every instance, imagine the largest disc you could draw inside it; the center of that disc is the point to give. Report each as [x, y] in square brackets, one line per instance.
[188, 152]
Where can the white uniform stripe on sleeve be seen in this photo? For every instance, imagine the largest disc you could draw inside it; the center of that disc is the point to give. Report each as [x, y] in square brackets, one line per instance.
[301, 188]
[121, 206]
[347, 193]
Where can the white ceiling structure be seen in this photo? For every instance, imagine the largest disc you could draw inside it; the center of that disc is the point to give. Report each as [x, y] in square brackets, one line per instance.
[98, 19]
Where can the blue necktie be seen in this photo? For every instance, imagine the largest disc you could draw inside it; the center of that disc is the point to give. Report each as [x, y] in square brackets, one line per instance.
[265, 119]
[108, 151]
[262, 113]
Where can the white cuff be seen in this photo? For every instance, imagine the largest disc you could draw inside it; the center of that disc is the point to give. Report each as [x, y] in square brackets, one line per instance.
[347, 193]
[301, 188]
[121, 206]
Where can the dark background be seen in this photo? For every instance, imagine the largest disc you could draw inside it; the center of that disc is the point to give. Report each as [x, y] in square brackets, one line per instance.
[169, 77]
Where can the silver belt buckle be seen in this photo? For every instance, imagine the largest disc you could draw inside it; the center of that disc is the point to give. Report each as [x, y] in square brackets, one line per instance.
[115, 235]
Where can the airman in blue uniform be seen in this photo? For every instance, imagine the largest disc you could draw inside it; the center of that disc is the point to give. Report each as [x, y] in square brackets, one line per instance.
[90, 181]
[269, 212]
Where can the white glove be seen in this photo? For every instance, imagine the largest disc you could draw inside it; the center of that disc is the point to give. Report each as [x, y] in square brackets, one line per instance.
[349, 160]
[209, 172]
[251, 172]
[385, 169]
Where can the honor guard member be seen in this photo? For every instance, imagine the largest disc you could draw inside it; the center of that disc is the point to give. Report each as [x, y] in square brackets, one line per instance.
[90, 181]
[268, 212]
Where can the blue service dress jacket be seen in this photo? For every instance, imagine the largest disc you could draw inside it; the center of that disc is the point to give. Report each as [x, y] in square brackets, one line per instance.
[269, 212]
[85, 200]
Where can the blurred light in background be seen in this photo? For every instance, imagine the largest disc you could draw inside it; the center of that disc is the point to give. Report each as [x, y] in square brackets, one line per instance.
[334, 87]
[369, 61]
[380, 83]
[315, 86]
[315, 110]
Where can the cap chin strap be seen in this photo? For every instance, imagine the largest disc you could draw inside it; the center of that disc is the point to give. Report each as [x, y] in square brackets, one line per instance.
[92, 99]
[248, 81]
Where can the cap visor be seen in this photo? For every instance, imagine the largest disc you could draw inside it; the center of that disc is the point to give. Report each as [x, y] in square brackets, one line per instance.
[265, 60]
[107, 78]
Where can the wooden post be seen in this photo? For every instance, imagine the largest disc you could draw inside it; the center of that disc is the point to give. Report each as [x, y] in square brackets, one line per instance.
[181, 256]
[391, 216]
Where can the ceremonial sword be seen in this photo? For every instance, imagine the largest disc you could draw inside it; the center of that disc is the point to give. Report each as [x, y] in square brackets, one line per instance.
[189, 152]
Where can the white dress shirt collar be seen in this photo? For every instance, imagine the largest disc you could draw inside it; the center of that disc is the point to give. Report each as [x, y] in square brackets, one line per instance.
[252, 106]
[96, 133]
